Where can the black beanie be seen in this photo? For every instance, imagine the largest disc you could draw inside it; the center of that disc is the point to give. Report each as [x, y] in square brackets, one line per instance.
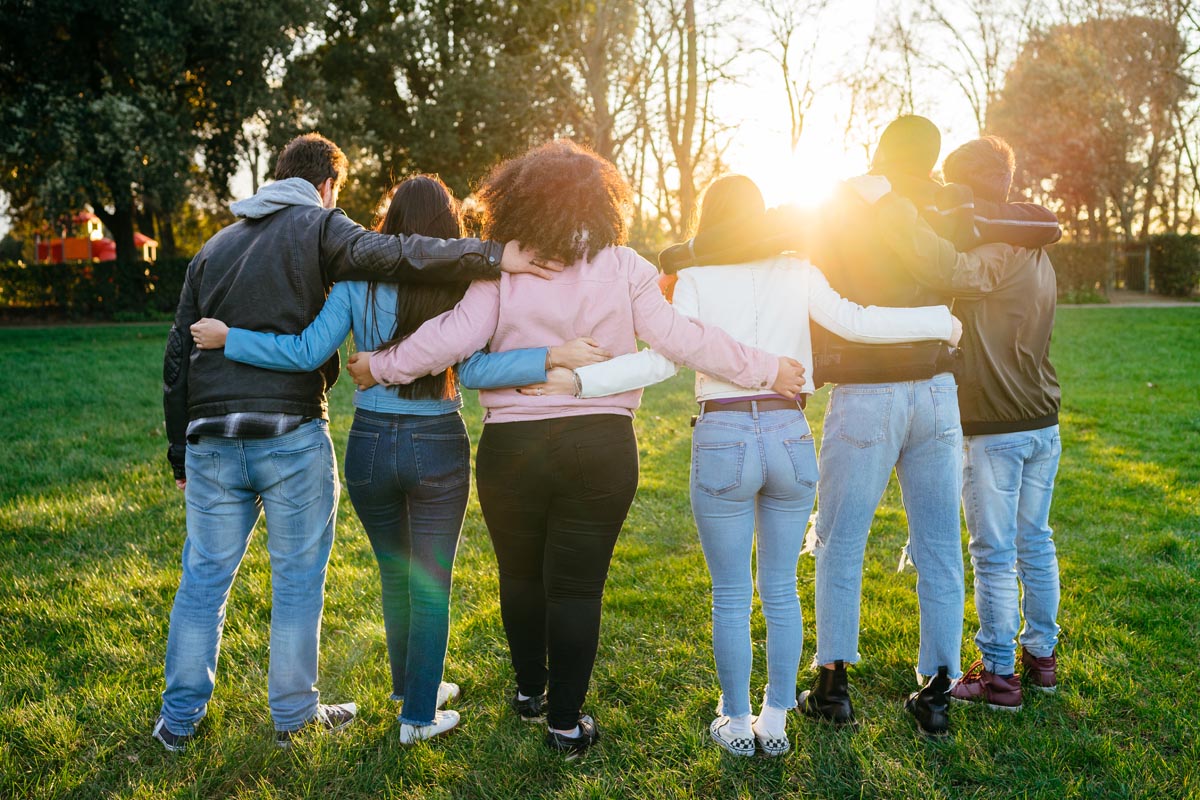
[909, 145]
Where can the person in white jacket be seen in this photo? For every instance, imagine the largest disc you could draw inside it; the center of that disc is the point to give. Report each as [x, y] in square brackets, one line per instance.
[754, 464]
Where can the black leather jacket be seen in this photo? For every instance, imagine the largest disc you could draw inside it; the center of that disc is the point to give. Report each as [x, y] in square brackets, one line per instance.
[273, 274]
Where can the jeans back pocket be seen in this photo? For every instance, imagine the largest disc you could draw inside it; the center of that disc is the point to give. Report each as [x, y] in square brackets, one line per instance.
[717, 467]
[860, 414]
[204, 488]
[360, 457]
[443, 459]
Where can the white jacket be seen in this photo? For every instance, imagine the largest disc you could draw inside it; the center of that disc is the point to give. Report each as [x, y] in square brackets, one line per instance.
[766, 304]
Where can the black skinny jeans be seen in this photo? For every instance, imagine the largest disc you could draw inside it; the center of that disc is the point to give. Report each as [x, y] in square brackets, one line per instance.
[554, 494]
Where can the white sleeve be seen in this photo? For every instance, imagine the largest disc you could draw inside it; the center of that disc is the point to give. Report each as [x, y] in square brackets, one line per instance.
[873, 324]
[625, 373]
[645, 367]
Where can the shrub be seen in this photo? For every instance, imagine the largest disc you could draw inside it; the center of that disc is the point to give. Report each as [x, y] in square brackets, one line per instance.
[1082, 268]
[83, 289]
[1175, 263]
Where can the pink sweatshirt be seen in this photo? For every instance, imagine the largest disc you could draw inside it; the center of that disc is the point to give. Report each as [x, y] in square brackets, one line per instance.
[614, 298]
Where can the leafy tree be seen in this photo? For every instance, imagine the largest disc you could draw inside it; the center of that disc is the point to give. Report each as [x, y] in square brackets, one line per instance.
[115, 104]
[1090, 110]
[449, 87]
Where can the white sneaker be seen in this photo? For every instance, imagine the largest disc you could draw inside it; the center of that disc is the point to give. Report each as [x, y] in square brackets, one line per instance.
[772, 742]
[443, 722]
[446, 693]
[736, 736]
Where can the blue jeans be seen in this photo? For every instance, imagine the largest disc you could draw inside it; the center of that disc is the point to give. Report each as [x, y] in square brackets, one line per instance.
[1008, 483]
[293, 478]
[408, 477]
[912, 426]
[754, 469]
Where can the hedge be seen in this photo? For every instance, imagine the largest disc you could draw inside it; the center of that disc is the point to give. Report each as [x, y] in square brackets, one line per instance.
[105, 290]
[1082, 270]
[1175, 263]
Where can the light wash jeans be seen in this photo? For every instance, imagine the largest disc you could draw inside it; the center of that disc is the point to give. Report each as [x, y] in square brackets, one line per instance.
[914, 427]
[1008, 483]
[293, 478]
[408, 477]
[754, 470]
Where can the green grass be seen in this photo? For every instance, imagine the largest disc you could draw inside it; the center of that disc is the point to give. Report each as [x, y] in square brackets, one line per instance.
[91, 528]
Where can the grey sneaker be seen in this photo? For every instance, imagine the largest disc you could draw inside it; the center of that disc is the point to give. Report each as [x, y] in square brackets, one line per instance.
[173, 742]
[328, 719]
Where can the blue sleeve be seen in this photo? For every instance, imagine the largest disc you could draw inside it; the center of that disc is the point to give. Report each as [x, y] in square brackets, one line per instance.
[486, 370]
[303, 352]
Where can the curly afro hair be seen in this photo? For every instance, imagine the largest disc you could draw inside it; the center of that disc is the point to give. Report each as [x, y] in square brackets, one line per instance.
[559, 199]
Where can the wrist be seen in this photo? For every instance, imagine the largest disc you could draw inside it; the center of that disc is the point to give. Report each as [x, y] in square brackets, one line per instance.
[549, 358]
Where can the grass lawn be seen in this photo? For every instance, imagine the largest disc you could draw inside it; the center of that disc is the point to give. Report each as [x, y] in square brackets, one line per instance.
[91, 528]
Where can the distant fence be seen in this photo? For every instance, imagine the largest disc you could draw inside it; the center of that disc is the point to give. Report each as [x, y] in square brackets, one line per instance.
[103, 290]
[1163, 264]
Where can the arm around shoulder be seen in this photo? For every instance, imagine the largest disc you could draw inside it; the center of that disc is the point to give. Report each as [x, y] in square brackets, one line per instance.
[350, 251]
[444, 340]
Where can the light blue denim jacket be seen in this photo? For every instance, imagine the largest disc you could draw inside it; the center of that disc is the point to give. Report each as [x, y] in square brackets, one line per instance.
[345, 310]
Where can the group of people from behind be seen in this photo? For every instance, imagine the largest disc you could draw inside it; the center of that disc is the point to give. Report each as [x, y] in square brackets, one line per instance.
[253, 352]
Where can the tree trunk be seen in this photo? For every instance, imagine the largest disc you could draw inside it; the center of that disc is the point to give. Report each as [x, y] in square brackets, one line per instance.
[120, 225]
[166, 235]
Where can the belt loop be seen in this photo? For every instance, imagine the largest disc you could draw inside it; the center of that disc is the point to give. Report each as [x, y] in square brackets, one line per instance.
[703, 408]
[754, 409]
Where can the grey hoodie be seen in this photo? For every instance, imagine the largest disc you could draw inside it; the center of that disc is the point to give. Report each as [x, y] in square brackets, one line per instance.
[276, 197]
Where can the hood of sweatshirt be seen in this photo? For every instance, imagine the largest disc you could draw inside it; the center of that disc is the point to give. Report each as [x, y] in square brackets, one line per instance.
[277, 196]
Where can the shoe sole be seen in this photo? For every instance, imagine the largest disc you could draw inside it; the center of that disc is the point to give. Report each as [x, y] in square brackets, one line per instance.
[991, 706]
[415, 742]
[170, 748]
[724, 745]
[773, 753]
[286, 743]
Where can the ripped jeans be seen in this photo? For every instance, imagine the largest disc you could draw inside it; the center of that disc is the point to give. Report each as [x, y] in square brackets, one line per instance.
[914, 427]
[754, 477]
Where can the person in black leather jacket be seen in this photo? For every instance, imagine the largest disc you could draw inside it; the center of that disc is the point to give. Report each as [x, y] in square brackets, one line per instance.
[245, 440]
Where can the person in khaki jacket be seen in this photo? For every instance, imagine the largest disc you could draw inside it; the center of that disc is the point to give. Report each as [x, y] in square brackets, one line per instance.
[1009, 400]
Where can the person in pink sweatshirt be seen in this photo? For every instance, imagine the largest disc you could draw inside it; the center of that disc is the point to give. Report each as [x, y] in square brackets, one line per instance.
[556, 474]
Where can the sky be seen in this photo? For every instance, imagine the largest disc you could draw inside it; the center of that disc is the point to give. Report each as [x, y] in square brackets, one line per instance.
[757, 108]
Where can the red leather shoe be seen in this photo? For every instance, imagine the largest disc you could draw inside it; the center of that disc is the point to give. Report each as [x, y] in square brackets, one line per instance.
[1041, 672]
[996, 691]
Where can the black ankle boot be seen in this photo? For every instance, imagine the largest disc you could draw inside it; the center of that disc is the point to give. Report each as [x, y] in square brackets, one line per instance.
[930, 706]
[830, 699]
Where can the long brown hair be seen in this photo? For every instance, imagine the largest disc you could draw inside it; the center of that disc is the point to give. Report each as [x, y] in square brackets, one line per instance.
[729, 200]
[420, 205]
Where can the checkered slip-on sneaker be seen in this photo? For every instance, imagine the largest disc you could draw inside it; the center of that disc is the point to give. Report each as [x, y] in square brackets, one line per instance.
[721, 732]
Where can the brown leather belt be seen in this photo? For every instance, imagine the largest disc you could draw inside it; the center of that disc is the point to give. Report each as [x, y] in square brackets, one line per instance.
[779, 404]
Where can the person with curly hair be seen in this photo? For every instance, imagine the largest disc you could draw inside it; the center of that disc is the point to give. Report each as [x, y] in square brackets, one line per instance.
[557, 474]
